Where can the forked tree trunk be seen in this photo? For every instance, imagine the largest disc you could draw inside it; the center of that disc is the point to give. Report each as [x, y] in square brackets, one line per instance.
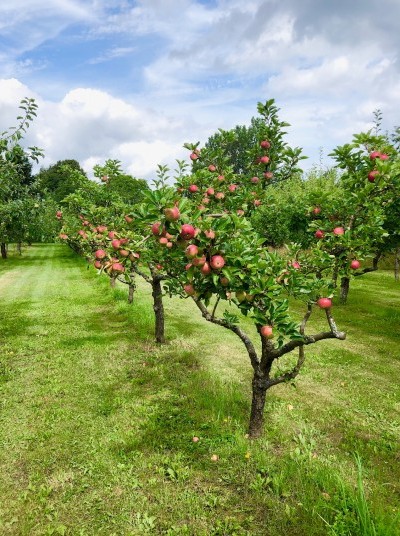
[158, 308]
[131, 292]
[344, 289]
[256, 424]
[19, 248]
[3, 248]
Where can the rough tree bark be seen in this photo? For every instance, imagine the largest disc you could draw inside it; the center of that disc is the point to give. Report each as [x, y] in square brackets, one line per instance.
[344, 289]
[158, 308]
[3, 248]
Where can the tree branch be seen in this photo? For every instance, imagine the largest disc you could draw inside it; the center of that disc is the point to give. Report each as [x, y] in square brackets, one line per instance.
[255, 362]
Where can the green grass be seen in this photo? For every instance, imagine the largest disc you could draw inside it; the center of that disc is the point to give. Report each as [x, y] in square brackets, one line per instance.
[96, 421]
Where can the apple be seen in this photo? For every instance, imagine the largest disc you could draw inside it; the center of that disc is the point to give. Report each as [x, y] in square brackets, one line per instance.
[111, 234]
[210, 234]
[319, 234]
[134, 256]
[188, 266]
[117, 267]
[193, 188]
[123, 253]
[338, 231]
[384, 156]
[210, 191]
[375, 154]
[199, 261]
[254, 180]
[265, 144]
[224, 281]
[257, 202]
[156, 229]
[217, 262]
[101, 229]
[163, 241]
[189, 289]
[221, 178]
[104, 178]
[268, 175]
[169, 244]
[187, 231]
[159, 266]
[316, 211]
[240, 212]
[124, 241]
[172, 214]
[191, 251]
[82, 234]
[194, 156]
[195, 439]
[97, 264]
[206, 269]
[219, 195]
[58, 214]
[100, 254]
[232, 187]
[116, 244]
[355, 264]
[296, 265]
[128, 219]
[211, 167]
[240, 295]
[214, 458]
[324, 303]
[63, 236]
[267, 332]
[372, 175]
[264, 160]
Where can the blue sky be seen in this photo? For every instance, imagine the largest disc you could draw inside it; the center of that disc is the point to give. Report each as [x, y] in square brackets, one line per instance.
[134, 80]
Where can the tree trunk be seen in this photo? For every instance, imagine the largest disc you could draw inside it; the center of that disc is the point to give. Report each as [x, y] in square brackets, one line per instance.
[3, 250]
[131, 292]
[19, 248]
[158, 310]
[257, 407]
[344, 289]
[113, 280]
[396, 264]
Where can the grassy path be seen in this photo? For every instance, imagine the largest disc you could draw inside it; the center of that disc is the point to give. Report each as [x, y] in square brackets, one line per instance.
[96, 421]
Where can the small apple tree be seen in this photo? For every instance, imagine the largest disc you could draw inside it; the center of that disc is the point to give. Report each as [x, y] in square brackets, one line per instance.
[351, 227]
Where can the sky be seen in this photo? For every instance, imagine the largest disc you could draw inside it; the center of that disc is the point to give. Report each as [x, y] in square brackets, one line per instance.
[134, 80]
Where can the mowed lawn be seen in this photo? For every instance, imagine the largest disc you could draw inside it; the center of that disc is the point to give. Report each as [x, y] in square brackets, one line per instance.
[97, 421]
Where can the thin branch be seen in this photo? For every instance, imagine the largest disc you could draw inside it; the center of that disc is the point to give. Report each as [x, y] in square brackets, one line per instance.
[215, 307]
[255, 362]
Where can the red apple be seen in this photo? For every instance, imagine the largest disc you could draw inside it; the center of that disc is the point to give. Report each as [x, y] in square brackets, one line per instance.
[217, 262]
[187, 231]
[219, 195]
[268, 175]
[264, 160]
[163, 241]
[324, 303]
[128, 219]
[221, 178]
[97, 264]
[257, 202]
[189, 289]
[265, 144]
[319, 234]
[100, 254]
[355, 264]
[338, 231]
[111, 234]
[205, 269]
[375, 154]
[267, 332]
[384, 156]
[194, 156]
[101, 228]
[224, 281]
[195, 439]
[191, 251]
[117, 267]
[193, 188]
[254, 180]
[210, 191]
[372, 175]
[211, 167]
[116, 244]
[232, 187]
[296, 265]
[123, 253]
[316, 211]
[172, 214]
[210, 234]
[156, 229]
[199, 261]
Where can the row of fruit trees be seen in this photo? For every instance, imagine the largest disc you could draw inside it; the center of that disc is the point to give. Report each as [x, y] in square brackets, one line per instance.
[193, 237]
